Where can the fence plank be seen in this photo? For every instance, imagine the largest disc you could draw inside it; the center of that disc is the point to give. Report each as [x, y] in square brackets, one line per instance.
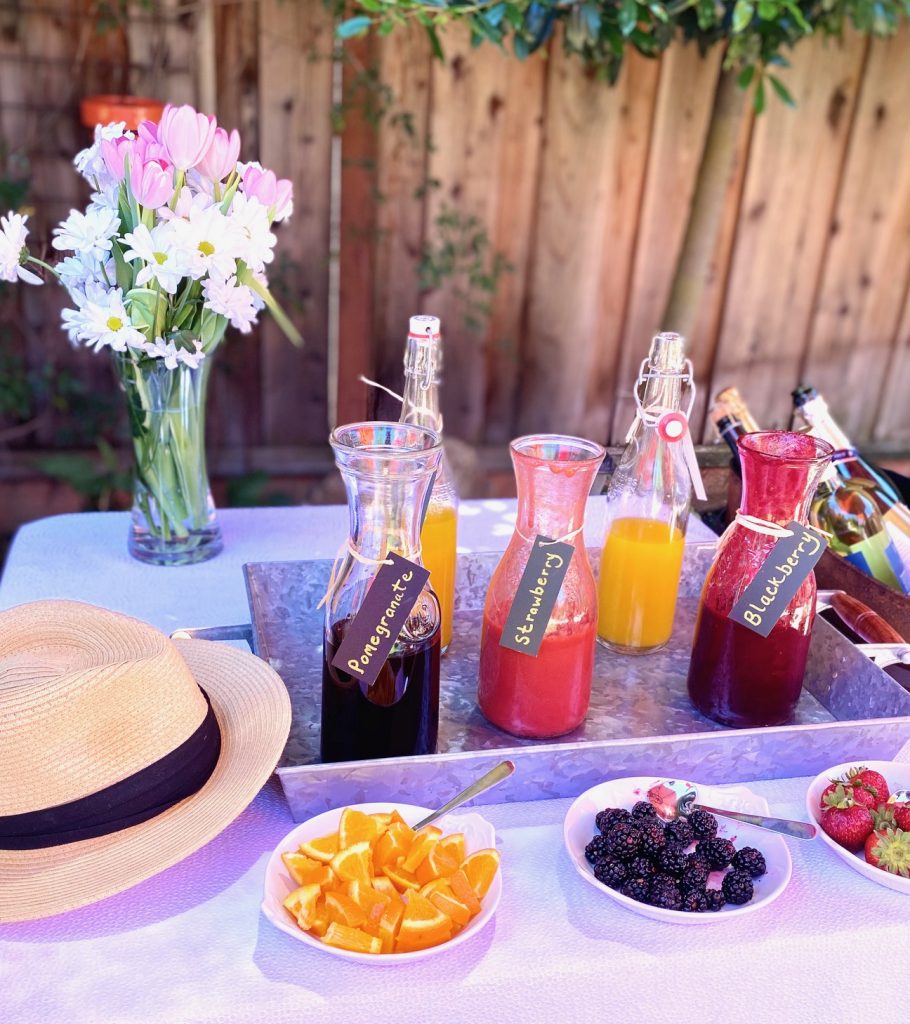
[682, 113]
[295, 44]
[402, 154]
[795, 165]
[596, 142]
[893, 422]
[863, 287]
[486, 131]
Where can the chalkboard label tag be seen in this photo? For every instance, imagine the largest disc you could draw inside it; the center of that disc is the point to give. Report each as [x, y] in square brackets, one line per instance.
[780, 576]
[371, 634]
[536, 596]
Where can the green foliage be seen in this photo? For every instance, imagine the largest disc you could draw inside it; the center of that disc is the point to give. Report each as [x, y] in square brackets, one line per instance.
[253, 490]
[756, 33]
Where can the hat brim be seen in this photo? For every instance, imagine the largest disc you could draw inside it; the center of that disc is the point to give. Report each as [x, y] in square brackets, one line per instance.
[253, 710]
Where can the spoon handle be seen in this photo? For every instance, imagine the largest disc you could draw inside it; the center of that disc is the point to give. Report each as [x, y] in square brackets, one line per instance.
[485, 782]
[794, 829]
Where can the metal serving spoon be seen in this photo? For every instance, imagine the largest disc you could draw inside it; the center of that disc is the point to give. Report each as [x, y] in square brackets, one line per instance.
[672, 799]
[485, 782]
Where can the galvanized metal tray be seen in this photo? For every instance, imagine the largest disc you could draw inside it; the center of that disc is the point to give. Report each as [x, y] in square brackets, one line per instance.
[640, 721]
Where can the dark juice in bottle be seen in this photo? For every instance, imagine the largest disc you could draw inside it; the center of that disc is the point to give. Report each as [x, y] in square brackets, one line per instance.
[398, 715]
[740, 678]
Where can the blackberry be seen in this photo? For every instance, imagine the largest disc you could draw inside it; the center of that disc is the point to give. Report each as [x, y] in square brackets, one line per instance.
[672, 859]
[696, 858]
[641, 867]
[653, 839]
[611, 872]
[749, 859]
[624, 840]
[664, 893]
[717, 852]
[695, 901]
[695, 876]
[596, 849]
[643, 810]
[637, 889]
[680, 831]
[715, 899]
[737, 887]
[610, 816]
[703, 824]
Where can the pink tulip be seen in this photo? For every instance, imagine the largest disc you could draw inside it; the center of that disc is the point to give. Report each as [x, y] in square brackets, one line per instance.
[276, 194]
[148, 131]
[186, 135]
[113, 153]
[147, 150]
[152, 182]
[221, 157]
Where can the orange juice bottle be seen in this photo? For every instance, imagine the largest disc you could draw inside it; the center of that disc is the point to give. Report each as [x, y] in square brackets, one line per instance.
[438, 538]
[648, 504]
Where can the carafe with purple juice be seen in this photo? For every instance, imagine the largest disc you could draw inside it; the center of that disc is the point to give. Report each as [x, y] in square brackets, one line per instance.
[737, 676]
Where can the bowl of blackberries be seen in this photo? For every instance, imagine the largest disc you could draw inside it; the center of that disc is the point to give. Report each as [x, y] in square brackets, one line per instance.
[692, 870]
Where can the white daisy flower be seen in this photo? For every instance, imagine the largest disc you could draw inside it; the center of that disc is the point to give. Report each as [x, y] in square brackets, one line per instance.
[172, 355]
[13, 234]
[106, 323]
[88, 162]
[253, 218]
[88, 233]
[165, 261]
[108, 199]
[212, 243]
[232, 300]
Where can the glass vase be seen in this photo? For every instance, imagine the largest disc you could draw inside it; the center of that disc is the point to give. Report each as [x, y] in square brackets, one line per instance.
[173, 515]
[387, 470]
[736, 676]
[546, 695]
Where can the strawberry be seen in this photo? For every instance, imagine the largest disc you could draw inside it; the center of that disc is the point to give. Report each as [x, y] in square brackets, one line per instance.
[901, 814]
[890, 851]
[861, 795]
[846, 821]
[872, 781]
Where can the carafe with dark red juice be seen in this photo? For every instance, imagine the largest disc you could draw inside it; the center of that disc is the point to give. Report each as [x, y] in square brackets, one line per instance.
[547, 694]
[736, 676]
[387, 470]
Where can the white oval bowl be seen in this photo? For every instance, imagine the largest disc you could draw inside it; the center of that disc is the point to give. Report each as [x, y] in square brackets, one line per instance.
[579, 828]
[897, 775]
[479, 834]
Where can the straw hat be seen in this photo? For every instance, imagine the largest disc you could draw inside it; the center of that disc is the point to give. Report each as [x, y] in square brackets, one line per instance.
[93, 703]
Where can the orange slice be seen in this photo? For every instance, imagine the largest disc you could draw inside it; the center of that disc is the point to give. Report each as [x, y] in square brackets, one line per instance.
[480, 869]
[356, 827]
[453, 846]
[385, 885]
[353, 939]
[301, 903]
[382, 820]
[464, 891]
[444, 899]
[371, 902]
[437, 864]
[299, 866]
[323, 849]
[401, 879]
[389, 923]
[343, 910]
[422, 925]
[353, 862]
[319, 922]
[392, 845]
[424, 841]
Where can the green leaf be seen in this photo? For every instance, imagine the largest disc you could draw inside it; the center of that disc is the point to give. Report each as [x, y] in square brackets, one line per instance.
[354, 27]
[371, 5]
[742, 15]
[782, 91]
[793, 8]
[746, 76]
[435, 44]
[759, 101]
[767, 10]
[628, 16]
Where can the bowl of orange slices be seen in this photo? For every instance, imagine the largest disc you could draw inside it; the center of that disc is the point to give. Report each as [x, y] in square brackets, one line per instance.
[361, 883]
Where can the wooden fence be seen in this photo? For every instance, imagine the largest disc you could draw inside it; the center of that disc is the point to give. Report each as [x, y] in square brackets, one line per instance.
[583, 190]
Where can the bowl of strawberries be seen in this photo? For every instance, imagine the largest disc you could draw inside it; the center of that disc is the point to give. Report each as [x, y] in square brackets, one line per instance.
[863, 814]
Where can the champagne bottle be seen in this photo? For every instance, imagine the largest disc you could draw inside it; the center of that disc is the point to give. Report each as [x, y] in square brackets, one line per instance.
[856, 531]
[729, 426]
[422, 377]
[854, 470]
[731, 400]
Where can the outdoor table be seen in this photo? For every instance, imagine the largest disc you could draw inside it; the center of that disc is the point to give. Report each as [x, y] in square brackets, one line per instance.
[190, 944]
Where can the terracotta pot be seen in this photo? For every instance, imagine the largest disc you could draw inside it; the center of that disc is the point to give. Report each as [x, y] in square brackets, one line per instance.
[133, 110]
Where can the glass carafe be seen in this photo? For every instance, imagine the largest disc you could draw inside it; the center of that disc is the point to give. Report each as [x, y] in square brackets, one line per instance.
[648, 504]
[736, 676]
[387, 469]
[546, 695]
[422, 377]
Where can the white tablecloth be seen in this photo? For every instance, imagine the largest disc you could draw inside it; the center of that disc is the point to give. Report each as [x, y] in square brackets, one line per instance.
[190, 945]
